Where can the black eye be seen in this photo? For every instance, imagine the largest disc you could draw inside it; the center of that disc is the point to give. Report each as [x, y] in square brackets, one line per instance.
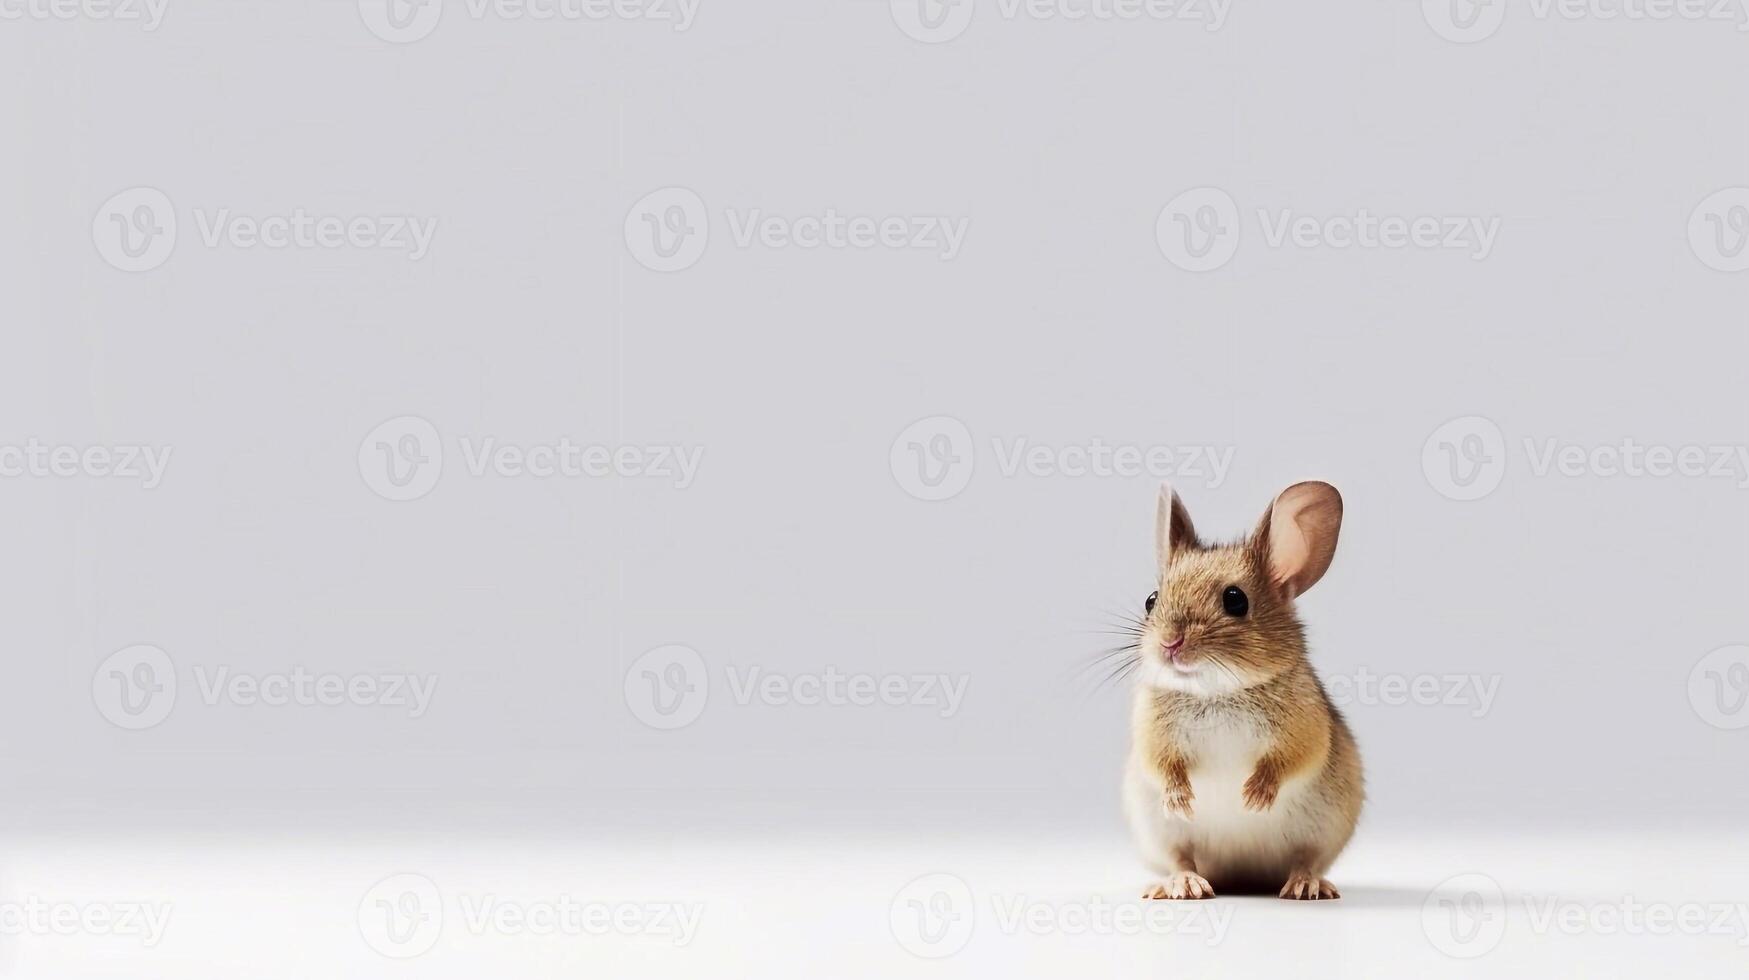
[1153, 597]
[1234, 601]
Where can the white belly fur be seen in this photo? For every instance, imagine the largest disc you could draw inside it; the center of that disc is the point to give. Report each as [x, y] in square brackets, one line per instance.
[1225, 837]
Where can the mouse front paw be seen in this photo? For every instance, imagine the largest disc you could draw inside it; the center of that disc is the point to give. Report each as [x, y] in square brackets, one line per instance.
[1261, 790]
[1177, 804]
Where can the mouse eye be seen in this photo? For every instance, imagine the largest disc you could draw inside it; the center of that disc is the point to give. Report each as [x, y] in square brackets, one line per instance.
[1153, 597]
[1235, 602]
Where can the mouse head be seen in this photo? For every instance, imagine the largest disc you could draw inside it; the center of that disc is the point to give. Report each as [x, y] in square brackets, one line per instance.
[1223, 616]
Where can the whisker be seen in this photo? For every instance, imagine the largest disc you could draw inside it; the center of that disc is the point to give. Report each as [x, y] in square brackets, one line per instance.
[1112, 666]
[1107, 658]
[1116, 675]
[1123, 616]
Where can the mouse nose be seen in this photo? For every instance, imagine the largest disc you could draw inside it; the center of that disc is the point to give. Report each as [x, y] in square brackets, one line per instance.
[1175, 645]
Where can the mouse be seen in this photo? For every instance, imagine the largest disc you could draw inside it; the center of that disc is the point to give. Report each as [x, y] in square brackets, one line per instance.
[1242, 776]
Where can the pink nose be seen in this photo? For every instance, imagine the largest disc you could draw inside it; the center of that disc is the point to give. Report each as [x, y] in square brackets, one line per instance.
[1173, 646]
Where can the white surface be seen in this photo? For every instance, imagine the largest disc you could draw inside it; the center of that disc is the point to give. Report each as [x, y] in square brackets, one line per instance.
[820, 909]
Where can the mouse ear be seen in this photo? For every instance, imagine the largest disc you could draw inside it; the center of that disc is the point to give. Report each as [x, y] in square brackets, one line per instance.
[1297, 537]
[1172, 528]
